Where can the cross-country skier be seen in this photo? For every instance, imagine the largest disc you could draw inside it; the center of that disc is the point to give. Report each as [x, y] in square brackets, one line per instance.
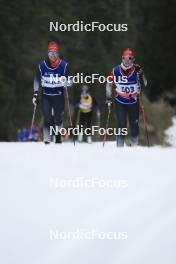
[127, 78]
[50, 74]
[85, 105]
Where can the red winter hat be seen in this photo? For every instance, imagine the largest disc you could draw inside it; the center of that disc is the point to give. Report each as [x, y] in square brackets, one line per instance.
[128, 52]
[53, 46]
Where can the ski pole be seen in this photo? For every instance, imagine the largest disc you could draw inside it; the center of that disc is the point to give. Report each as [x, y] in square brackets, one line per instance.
[107, 124]
[69, 111]
[145, 119]
[144, 116]
[98, 124]
[78, 118]
[33, 119]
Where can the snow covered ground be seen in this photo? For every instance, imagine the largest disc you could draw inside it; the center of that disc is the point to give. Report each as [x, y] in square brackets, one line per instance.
[171, 133]
[34, 203]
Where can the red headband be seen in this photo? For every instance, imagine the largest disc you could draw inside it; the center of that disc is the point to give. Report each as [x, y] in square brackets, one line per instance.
[128, 52]
[53, 46]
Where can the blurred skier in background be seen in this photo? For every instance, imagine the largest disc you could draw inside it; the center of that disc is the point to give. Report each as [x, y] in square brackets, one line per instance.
[128, 78]
[22, 134]
[49, 74]
[85, 104]
[26, 134]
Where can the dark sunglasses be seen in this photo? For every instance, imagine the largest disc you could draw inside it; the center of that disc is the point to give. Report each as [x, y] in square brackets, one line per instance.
[127, 58]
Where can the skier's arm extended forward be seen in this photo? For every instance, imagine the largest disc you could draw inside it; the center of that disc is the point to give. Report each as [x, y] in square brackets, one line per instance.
[109, 90]
[141, 77]
[69, 77]
[37, 79]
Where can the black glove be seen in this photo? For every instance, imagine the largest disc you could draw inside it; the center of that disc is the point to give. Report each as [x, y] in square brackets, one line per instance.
[140, 74]
[139, 69]
[35, 99]
[108, 101]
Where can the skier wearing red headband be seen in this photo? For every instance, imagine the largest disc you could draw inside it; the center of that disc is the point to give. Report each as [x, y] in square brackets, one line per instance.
[127, 78]
[50, 74]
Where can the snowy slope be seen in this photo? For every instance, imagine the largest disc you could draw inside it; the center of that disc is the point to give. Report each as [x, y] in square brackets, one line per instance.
[171, 133]
[31, 206]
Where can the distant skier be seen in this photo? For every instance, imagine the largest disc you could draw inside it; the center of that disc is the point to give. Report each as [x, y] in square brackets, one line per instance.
[128, 78]
[26, 134]
[86, 104]
[23, 134]
[49, 74]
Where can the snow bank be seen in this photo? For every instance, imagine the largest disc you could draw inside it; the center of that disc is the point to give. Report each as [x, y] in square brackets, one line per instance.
[171, 133]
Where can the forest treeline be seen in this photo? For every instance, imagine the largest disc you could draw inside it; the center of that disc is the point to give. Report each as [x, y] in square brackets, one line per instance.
[24, 31]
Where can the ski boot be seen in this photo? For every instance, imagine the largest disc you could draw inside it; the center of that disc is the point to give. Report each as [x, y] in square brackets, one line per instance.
[58, 139]
[89, 139]
[134, 141]
[120, 141]
[46, 136]
[80, 137]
